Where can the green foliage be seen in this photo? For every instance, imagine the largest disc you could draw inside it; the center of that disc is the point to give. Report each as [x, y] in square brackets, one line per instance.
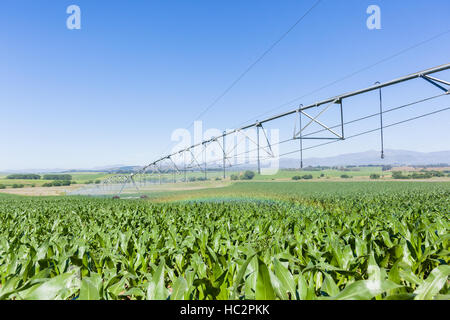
[2, 186]
[375, 176]
[247, 175]
[305, 176]
[423, 174]
[26, 176]
[360, 245]
[57, 177]
[345, 176]
[234, 177]
[398, 175]
[416, 175]
[17, 185]
[57, 183]
[436, 173]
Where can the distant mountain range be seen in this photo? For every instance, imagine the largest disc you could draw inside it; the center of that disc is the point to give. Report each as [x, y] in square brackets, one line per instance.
[391, 157]
[372, 157]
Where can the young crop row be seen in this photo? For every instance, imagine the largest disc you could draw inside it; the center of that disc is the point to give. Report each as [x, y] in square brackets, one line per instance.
[383, 246]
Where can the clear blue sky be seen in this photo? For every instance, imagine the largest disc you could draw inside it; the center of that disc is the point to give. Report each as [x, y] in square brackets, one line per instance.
[114, 91]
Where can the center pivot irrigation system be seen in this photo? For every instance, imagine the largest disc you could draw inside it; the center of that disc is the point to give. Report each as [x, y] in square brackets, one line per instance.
[177, 164]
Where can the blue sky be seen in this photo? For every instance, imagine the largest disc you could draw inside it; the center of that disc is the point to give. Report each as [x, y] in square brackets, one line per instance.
[114, 91]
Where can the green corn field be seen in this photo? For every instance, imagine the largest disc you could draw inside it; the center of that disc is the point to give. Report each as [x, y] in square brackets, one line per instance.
[389, 244]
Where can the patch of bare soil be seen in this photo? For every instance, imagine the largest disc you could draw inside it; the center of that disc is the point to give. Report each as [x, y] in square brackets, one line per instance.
[40, 191]
[183, 186]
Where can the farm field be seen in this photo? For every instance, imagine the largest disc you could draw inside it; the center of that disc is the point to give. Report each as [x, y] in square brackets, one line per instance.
[78, 177]
[83, 177]
[40, 190]
[36, 187]
[282, 174]
[294, 191]
[359, 174]
[248, 240]
[328, 173]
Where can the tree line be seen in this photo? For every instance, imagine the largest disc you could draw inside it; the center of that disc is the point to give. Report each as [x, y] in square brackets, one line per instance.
[27, 176]
[32, 176]
[64, 177]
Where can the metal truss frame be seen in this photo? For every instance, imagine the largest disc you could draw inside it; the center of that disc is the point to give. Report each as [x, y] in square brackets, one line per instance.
[299, 112]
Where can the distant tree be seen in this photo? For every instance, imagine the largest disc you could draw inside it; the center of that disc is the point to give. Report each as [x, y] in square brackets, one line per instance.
[435, 173]
[191, 179]
[296, 178]
[2, 186]
[307, 176]
[234, 177]
[399, 175]
[248, 175]
[57, 177]
[345, 176]
[416, 175]
[374, 176]
[97, 181]
[57, 183]
[17, 185]
[24, 176]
